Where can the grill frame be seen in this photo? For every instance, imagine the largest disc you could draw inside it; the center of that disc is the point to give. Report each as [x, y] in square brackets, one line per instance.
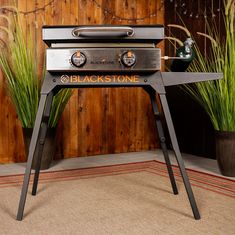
[153, 83]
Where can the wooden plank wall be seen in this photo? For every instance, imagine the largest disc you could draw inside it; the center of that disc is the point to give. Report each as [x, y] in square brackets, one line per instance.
[95, 121]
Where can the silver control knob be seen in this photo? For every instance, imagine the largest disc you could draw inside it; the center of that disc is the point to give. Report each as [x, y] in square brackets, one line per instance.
[78, 59]
[128, 59]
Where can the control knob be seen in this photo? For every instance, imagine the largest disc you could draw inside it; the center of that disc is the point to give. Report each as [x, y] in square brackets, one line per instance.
[78, 59]
[128, 59]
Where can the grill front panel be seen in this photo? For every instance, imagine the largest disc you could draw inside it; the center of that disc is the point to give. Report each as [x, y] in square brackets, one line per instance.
[104, 59]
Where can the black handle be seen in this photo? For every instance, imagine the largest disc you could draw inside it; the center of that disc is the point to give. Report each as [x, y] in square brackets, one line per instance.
[103, 31]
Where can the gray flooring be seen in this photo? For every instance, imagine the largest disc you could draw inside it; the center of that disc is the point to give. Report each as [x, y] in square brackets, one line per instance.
[191, 162]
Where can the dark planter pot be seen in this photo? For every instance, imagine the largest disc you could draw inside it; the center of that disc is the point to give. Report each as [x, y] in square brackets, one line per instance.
[48, 150]
[225, 152]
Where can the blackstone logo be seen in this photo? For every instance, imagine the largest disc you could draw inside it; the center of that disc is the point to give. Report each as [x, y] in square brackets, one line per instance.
[100, 79]
[102, 62]
[64, 78]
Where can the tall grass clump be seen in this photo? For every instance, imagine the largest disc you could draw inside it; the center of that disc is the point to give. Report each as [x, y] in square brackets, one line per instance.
[18, 62]
[217, 97]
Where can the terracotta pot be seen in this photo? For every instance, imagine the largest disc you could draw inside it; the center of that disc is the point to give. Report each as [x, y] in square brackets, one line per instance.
[48, 149]
[225, 152]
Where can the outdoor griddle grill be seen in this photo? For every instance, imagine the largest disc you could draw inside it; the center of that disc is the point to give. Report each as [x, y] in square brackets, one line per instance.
[108, 56]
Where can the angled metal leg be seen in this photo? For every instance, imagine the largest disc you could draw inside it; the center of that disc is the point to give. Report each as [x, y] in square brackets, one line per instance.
[156, 112]
[179, 157]
[32, 148]
[41, 141]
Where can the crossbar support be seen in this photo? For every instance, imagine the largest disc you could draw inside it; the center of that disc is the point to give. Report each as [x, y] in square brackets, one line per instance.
[41, 141]
[158, 120]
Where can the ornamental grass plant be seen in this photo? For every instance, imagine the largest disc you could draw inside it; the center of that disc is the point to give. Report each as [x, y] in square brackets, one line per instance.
[18, 63]
[217, 97]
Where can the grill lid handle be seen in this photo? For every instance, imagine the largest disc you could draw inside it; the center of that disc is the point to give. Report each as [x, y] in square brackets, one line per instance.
[103, 32]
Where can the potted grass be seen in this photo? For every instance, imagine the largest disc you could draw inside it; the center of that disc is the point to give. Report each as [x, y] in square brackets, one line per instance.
[18, 63]
[218, 97]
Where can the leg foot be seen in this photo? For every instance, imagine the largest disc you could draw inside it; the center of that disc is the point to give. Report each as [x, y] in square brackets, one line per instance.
[179, 157]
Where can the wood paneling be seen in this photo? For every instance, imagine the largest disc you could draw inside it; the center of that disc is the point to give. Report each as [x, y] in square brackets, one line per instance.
[95, 121]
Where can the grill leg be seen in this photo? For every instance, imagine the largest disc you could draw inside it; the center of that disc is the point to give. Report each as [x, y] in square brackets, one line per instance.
[32, 148]
[41, 142]
[179, 157]
[162, 140]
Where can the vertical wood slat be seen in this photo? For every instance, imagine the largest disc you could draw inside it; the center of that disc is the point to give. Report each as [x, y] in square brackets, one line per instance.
[3, 108]
[96, 121]
[15, 143]
[65, 19]
[73, 105]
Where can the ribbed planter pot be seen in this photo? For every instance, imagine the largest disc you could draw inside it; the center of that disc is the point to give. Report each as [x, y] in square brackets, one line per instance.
[48, 150]
[225, 152]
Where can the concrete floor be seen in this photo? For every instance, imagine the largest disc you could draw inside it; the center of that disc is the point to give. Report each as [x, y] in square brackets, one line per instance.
[192, 162]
